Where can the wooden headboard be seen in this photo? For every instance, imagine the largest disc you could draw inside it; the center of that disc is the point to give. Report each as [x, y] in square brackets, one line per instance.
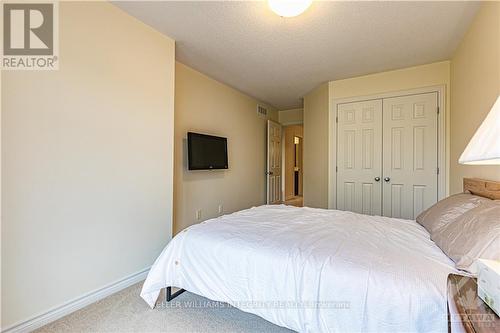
[484, 188]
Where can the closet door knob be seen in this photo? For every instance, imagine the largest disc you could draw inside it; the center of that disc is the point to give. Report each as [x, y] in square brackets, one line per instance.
[377, 179]
[387, 179]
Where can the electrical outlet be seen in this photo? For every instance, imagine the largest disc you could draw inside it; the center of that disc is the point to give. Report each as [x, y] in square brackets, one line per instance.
[221, 209]
[198, 214]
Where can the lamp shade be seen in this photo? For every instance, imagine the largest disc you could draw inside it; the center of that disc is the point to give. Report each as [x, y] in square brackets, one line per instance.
[484, 147]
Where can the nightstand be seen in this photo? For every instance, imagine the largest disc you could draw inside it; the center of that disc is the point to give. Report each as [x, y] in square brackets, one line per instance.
[471, 312]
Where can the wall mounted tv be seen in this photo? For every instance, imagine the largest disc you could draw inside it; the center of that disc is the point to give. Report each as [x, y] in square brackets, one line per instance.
[206, 152]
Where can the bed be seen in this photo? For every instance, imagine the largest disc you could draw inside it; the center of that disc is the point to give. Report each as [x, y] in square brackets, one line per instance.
[304, 269]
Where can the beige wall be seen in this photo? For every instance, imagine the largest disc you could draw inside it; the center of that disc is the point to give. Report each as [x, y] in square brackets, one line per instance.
[316, 115]
[291, 117]
[87, 161]
[475, 84]
[207, 106]
[316, 147]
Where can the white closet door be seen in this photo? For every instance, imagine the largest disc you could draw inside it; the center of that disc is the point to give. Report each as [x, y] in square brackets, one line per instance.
[359, 153]
[409, 154]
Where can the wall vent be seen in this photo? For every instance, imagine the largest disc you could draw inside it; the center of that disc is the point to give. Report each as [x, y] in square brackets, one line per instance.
[262, 111]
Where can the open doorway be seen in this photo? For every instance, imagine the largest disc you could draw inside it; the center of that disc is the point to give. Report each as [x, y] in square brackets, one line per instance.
[293, 139]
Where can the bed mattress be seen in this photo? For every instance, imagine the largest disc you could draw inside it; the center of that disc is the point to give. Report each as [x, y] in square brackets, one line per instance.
[312, 270]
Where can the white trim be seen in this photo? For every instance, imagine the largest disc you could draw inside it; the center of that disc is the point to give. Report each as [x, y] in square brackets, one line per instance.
[289, 123]
[76, 304]
[282, 164]
[443, 183]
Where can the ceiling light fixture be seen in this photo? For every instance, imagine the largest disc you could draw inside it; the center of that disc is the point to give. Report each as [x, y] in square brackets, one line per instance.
[289, 8]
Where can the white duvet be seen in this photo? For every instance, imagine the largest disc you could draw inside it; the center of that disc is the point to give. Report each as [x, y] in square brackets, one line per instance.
[312, 270]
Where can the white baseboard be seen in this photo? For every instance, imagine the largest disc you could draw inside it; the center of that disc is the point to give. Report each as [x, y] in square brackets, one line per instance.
[76, 304]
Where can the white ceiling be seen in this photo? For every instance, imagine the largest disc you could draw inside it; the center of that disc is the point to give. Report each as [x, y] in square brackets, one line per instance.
[278, 60]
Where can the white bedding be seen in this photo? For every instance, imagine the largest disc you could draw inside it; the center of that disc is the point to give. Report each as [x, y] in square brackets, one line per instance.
[312, 270]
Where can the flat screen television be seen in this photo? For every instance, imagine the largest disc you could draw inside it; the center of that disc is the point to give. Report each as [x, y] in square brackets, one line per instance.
[206, 152]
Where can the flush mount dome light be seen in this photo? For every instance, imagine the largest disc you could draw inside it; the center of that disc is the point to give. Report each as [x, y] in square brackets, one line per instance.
[289, 8]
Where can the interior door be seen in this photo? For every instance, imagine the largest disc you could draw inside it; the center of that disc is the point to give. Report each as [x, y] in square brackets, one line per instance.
[359, 157]
[410, 154]
[273, 162]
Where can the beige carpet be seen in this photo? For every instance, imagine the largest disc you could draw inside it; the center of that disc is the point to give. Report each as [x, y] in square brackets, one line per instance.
[127, 312]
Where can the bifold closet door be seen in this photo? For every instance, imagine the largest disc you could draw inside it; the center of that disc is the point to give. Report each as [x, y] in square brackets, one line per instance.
[409, 154]
[359, 156]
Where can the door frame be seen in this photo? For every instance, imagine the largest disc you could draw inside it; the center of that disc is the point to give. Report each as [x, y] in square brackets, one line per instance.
[284, 157]
[443, 149]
